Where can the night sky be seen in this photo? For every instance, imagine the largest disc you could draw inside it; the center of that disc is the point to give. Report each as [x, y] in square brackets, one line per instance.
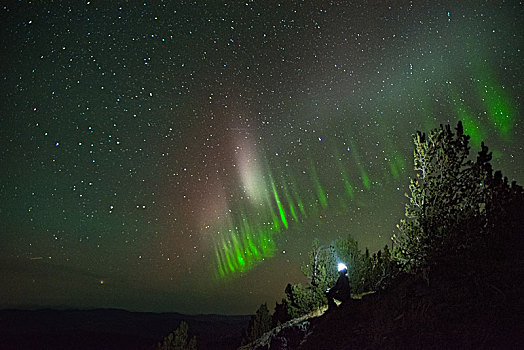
[182, 156]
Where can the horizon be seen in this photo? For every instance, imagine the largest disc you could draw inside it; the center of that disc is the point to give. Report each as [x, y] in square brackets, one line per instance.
[162, 157]
[65, 309]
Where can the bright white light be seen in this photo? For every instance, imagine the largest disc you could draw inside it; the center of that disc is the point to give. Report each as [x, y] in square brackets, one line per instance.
[341, 267]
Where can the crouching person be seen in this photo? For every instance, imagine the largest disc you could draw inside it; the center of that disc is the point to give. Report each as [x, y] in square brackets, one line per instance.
[341, 291]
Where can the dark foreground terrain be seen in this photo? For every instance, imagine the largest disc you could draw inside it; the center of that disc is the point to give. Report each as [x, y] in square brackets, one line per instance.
[112, 329]
[480, 306]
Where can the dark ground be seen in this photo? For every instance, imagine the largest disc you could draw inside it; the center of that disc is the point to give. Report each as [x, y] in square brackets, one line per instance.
[453, 312]
[458, 305]
[112, 329]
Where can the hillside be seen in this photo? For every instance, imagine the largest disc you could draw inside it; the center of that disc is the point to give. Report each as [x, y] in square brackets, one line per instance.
[475, 305]
[453, 279]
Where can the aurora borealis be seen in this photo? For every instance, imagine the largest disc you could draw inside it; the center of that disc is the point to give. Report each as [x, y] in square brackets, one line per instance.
[182, 156]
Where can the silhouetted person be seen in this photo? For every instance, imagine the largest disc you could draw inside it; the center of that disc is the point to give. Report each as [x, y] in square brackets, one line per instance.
[341, 291]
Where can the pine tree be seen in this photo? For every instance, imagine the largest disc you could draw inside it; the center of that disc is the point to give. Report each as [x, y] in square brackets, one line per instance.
[179, 339]
[298, 301]
[313, 269]
[281, 313]
[453, 201]
[320, 268]
[259, 324]
[348, 252]
[389, 269]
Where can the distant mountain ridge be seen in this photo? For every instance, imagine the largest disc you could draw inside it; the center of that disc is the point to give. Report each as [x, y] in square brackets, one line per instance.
[112, 329]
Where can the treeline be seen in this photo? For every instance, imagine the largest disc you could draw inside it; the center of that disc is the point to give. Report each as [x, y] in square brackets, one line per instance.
[458, 210]
[366, 273]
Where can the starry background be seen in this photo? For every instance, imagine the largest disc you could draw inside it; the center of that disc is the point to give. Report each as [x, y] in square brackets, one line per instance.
[182, 156]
